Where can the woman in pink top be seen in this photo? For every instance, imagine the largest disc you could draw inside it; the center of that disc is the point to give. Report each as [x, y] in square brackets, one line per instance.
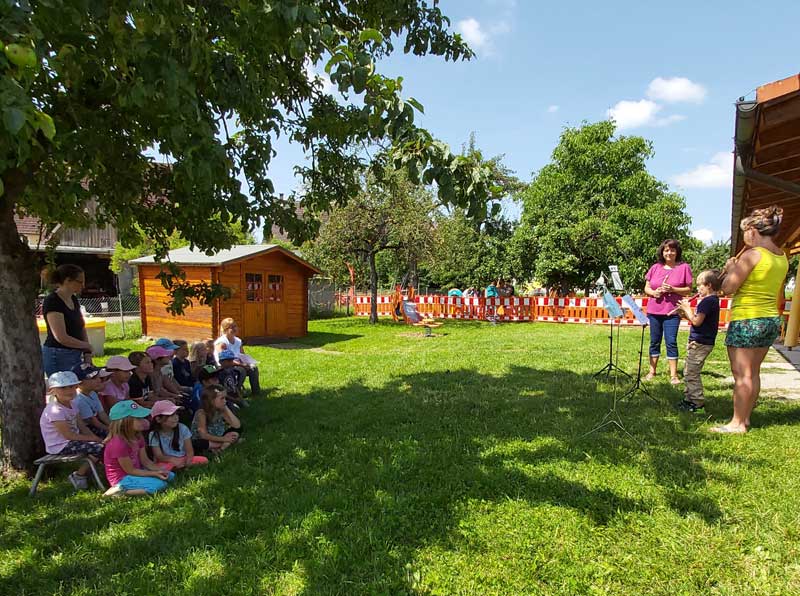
[667, 282]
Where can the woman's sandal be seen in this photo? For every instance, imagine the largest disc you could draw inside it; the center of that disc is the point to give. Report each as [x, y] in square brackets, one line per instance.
[649, 377]
[675, 381]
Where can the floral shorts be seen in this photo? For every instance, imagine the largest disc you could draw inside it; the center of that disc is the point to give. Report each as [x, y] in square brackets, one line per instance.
[753, 333]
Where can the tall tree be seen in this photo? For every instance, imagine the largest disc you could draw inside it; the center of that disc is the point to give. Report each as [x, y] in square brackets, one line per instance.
[593, 205]
[703, 256]
[389, 214]
[86, 88]
[462, 256]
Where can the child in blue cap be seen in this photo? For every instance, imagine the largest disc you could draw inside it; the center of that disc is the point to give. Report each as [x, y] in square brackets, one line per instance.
[128, 468]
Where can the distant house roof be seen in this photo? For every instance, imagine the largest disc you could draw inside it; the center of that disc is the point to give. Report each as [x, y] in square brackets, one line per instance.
[238, 252]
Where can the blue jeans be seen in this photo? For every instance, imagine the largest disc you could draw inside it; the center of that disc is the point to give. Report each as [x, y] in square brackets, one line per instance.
[58, 359]
[666, 326]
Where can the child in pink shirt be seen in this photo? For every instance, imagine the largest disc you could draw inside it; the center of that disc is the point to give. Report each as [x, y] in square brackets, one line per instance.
[128, 468]
[63, 430]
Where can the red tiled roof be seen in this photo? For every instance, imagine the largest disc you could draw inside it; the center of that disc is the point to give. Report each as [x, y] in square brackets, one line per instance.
[27, 225]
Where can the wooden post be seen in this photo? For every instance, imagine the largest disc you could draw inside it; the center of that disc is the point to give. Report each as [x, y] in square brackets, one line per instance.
[793, 325]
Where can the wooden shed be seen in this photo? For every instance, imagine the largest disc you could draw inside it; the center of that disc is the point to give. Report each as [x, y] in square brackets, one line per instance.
[269, 293]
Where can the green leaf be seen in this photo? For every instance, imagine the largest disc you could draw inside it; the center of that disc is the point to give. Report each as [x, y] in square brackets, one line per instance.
[335, 59]
[14, 120]
[370, 35]
[297, 49]
[418, 106]
[360, 75]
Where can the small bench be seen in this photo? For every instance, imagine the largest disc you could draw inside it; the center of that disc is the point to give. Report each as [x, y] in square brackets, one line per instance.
[47, 460]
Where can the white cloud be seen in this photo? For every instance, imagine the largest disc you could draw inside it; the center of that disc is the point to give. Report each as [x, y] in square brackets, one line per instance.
[716, 173]
[703, 235]
[675, 90]
[553, 109]
[473, 33]
[633, 114]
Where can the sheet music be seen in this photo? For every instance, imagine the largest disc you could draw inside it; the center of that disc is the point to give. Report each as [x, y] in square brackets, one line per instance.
[637, 312]
[610, 304]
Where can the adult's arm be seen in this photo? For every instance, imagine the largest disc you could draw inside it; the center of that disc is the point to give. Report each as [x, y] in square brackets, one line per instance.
[650, 291]
[59, 330]
[736, 270]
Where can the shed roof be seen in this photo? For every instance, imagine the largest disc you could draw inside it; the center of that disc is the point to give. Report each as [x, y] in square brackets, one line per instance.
[767, 159]
[238, 252]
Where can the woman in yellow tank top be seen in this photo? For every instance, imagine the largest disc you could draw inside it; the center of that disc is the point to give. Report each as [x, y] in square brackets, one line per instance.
[756, 280]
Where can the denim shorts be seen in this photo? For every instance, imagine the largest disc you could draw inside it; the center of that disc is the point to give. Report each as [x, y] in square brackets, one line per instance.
[753, 333]
[147, 483]
[58, 359]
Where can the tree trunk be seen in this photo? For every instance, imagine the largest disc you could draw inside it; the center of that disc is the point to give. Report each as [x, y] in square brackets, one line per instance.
[22, 387]
[373, 289]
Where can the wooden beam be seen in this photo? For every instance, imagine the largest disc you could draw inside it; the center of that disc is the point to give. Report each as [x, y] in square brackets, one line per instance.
[770, 155]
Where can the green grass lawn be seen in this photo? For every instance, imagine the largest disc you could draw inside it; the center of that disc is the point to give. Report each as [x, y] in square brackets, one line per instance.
[386, 463]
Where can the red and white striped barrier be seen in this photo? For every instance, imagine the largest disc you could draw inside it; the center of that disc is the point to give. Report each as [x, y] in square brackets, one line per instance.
[581, 311]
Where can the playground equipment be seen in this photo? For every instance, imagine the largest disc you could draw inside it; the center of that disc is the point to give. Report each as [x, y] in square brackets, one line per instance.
[413, 317]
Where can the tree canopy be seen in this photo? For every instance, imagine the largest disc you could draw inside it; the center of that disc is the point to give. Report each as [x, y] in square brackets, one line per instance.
[593, 205]
[89, 89]
[389, 214]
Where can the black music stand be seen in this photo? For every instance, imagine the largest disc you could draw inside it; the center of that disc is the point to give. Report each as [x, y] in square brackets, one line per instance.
[611, 366]
[637, 384]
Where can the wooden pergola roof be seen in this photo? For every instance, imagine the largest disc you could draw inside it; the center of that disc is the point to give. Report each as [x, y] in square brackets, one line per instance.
[767, 159]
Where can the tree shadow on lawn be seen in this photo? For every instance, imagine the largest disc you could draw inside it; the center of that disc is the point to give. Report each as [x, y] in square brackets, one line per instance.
[351, 482]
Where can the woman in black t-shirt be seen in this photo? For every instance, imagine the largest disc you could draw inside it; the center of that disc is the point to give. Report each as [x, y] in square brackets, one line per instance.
[66, 341]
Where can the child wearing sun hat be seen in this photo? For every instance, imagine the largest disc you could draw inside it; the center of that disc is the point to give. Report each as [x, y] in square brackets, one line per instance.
[87, 401]
[128, 468]
[63, 430]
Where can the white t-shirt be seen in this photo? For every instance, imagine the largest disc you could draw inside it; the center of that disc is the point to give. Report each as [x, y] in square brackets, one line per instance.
[234, 346]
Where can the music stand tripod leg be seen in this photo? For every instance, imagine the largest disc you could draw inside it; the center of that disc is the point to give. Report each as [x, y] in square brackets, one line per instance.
[638, 385]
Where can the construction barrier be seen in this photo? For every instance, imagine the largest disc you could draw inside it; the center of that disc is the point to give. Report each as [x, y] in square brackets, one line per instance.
[521, 308]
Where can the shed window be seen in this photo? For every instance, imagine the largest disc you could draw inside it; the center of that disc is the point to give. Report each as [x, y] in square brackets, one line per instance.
[254, 282]
[275, 288]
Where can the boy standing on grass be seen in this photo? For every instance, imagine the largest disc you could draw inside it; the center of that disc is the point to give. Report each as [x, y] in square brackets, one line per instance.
[703, 334]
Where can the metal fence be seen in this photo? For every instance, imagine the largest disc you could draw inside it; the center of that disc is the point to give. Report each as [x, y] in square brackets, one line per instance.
[110, 307]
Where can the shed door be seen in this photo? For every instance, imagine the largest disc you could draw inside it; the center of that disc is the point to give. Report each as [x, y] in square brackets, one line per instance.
[254, 319]
[277, 324]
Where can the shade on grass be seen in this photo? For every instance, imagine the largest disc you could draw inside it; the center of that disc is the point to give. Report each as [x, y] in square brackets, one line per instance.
[386, 463]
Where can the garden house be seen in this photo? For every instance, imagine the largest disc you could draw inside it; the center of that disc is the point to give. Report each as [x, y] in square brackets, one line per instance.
[269, 293]
[767, 170]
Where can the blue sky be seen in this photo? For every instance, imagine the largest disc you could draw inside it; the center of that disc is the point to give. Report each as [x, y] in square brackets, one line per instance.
[670, 72]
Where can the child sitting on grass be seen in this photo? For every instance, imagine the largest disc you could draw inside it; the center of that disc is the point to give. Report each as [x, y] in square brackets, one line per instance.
[181, 367]
[198, 358]
[702, 336]
[170, 440]
[116, 388]
[141, 382]
[87, 401]
[164, 386]
[231, 377]
[207, 376]
[63, 430]
[215, 427]
[128, 469]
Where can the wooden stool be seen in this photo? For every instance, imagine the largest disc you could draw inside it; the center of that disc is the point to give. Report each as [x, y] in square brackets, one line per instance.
[45, 461]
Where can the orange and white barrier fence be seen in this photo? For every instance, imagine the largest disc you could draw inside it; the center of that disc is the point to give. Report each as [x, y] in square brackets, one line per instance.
[520, 308]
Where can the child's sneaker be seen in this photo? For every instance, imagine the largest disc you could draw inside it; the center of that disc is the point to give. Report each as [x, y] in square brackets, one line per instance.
[78, 482]
[689, 406]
